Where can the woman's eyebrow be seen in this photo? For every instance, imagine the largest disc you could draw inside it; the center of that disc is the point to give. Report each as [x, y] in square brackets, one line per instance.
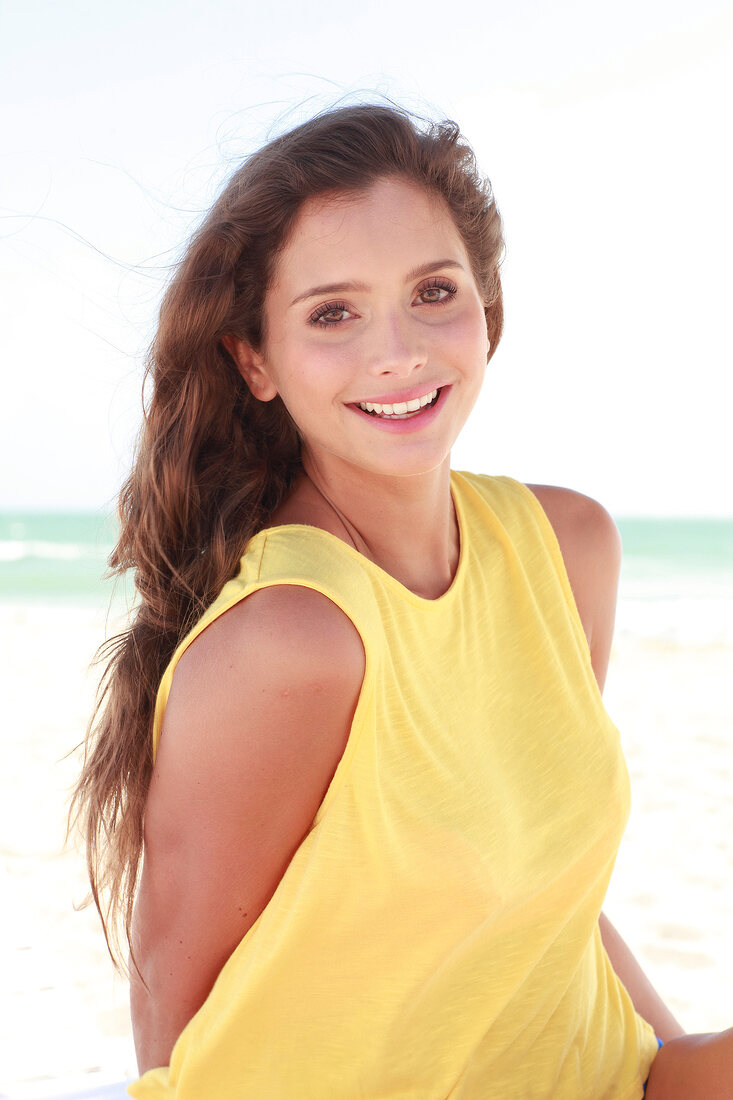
[328, 288]
[340, 288]
[429, 268]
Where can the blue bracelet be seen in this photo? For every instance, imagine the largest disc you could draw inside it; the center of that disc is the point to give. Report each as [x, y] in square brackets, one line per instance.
[660, 1044]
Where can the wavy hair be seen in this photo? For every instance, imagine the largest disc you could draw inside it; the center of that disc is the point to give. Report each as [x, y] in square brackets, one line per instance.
[212, 463]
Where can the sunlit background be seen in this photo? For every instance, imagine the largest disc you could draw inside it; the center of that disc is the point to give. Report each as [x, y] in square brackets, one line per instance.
[605, 129]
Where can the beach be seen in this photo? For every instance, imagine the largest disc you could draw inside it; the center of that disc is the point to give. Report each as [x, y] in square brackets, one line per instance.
[672, 891]
[66, 1024]
[65, 1011]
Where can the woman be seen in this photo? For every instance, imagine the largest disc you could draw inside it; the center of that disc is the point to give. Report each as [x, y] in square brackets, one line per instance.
[357, 715]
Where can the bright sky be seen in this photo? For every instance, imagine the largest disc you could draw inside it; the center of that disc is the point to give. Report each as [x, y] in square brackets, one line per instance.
[604, 128]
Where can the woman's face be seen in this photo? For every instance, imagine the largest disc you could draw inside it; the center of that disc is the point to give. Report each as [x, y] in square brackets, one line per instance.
[375, 333]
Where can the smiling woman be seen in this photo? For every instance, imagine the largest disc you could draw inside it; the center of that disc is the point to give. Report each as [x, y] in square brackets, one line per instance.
[354, 732]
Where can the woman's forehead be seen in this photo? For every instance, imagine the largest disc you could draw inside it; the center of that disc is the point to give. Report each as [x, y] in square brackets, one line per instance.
[386, 197]
[392, 220]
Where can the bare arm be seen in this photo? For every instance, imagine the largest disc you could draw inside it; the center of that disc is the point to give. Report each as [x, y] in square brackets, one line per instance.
[647, 1001]
[257, 720]
[693, 1067]
[688, 1067]
[591, 550]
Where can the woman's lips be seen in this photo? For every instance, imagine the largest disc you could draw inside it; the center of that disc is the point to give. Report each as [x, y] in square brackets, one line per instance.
[396, 409]
[403, 421]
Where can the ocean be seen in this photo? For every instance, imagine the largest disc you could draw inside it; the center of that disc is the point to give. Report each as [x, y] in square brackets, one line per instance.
[676, 583]
[55, 557]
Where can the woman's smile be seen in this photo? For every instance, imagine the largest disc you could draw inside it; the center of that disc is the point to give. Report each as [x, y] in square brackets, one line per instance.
[398, 406]
[402, 417]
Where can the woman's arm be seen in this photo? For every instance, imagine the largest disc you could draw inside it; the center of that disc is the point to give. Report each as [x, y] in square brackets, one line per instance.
[591, 550]
[257, 720]
[688, 1067]
[693, 1067]
[647, 1001]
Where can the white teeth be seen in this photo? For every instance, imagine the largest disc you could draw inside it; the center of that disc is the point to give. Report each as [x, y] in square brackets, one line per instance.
[400, 408]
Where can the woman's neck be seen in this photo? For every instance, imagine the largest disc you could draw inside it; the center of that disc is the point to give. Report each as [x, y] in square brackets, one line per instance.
[405, 525]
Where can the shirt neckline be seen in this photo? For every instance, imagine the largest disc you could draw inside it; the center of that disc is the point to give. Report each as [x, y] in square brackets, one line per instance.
[385, 577]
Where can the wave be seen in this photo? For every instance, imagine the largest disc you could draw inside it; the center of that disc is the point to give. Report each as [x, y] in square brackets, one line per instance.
[14, 550]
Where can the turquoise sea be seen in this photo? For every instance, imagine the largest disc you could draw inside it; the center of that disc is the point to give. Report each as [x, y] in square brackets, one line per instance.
[676, 585]
[55, 557]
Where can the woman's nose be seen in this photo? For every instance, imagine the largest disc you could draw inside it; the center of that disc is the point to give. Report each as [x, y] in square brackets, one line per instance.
[396, 347]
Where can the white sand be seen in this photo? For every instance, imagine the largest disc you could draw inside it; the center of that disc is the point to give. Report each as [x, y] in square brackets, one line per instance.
[65, 1014]
[672, 892]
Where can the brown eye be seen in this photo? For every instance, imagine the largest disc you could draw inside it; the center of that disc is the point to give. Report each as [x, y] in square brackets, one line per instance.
[437, 292]
[329, 314]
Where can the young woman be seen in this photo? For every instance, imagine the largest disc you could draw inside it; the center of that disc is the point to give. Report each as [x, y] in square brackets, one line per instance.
[355, 729]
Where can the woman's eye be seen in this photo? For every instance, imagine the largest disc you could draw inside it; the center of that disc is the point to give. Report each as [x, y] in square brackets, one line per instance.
[438, 291]
[329, 314]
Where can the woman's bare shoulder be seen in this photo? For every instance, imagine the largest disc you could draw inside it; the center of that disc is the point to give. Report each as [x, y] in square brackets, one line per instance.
[274, 678]
[585, 531]
[578, 518]
[591, 549]
[279, 633]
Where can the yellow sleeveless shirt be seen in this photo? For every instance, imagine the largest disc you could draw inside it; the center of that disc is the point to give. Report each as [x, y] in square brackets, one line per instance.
[436, 933]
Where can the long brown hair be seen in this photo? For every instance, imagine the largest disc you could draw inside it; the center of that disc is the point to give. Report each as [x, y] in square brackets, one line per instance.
[212, 463]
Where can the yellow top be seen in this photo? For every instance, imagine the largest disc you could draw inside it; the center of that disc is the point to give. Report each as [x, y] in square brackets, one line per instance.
[436, 933]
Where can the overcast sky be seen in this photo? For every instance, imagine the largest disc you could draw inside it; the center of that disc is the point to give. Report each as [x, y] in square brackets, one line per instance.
[604, 128]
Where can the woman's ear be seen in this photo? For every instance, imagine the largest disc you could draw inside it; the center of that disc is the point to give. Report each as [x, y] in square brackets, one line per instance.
[251, 366]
